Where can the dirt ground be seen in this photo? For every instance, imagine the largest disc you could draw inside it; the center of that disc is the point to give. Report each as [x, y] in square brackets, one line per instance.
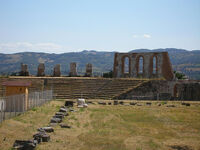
[111, 127]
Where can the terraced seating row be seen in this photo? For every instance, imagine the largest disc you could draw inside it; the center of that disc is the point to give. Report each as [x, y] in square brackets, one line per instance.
[71, 88]
[91, 88]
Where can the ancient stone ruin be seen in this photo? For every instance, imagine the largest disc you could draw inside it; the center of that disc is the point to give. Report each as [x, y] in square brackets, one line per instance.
[143, 65]
[187, 91]
[24, 70]
[56, 71]
[88, 71]
[41, 70]
[73, 70]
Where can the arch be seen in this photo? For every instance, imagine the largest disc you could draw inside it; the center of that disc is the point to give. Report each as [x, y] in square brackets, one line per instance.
[155, 68]
[126, 65]
[153, 65]
[141, 65]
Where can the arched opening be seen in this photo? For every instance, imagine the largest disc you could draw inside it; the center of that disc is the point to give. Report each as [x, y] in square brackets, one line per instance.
[126, 65]
[154, 65]
[141, 65]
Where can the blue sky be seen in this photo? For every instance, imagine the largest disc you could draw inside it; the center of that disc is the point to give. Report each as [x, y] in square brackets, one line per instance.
[59, 26]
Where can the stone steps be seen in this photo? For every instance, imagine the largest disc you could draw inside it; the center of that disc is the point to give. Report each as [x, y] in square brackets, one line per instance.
[103, 89]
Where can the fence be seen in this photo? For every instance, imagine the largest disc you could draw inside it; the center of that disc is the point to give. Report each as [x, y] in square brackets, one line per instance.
[11, 106]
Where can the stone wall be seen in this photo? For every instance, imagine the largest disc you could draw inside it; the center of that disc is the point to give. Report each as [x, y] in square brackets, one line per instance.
[151, 90]
[88, 70]
[73, 70]
[161, 68]
[56, 71]
[41, 70]
[24, 70]
[187, 91]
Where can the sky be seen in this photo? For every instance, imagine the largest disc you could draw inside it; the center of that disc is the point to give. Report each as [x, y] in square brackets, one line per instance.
[60, 26]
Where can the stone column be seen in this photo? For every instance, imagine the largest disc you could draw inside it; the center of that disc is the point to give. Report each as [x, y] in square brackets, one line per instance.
[88, 71]
[146, 62]
[56, 71]
[41, 70]
[24, 70]
[73, 70]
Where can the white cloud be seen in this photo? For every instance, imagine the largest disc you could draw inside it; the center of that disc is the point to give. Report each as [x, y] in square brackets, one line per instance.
[141, 36]
[29, 47]
[147, 36]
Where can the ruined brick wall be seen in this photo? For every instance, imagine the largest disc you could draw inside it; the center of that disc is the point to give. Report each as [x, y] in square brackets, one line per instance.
[73, 70]
[88, 70]
[187, 91]
[41, 70]
[56, 71]
[24, 70]
[151, 90]
[162, 66]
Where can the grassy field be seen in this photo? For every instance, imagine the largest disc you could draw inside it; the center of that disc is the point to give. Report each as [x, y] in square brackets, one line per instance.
[107, 127]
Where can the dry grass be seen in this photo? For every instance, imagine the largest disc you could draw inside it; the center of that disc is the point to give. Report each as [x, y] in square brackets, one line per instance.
[111, 127]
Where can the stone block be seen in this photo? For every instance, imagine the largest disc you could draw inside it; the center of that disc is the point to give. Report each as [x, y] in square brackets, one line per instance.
[59, 116]
[62, 113]
[46, 129]
[65, 126]
[115, 102]
[24, 145]
[69, 103]
[132, 103]
[56, 120]
[63, 110]
[148, 103]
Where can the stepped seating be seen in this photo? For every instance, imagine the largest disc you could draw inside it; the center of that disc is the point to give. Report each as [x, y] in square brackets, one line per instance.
[73, 88]
[91, 88]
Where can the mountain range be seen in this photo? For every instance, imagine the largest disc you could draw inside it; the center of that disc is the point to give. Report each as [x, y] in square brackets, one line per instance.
[184, 61]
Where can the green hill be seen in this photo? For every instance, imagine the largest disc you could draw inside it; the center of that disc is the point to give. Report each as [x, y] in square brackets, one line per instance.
[187, 62]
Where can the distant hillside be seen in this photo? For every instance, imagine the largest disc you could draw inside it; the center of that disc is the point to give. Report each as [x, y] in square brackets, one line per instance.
[187, 62]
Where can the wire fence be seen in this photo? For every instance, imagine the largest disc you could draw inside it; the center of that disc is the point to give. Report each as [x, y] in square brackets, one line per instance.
[11, 106]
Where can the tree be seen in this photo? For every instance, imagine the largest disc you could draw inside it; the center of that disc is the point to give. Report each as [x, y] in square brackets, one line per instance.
[179, 75]
[108, 74]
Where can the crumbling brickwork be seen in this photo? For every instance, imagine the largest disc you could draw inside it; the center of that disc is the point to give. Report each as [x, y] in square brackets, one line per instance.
[41, 70]
[24, 70]
[73, 70]
[187, 91]
[153, 65]
[56, 71]
[88, 71]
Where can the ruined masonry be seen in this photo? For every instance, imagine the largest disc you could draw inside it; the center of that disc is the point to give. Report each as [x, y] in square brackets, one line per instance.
[143, 65]
[56, 71]
[41, 70]
[88, 72]
[73, 70]
[24, 70]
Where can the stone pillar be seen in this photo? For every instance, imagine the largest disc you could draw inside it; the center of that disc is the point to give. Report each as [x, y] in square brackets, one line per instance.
[56, 71]
[88, 71]
[73, 70]
[24, 70]
[41, 70]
